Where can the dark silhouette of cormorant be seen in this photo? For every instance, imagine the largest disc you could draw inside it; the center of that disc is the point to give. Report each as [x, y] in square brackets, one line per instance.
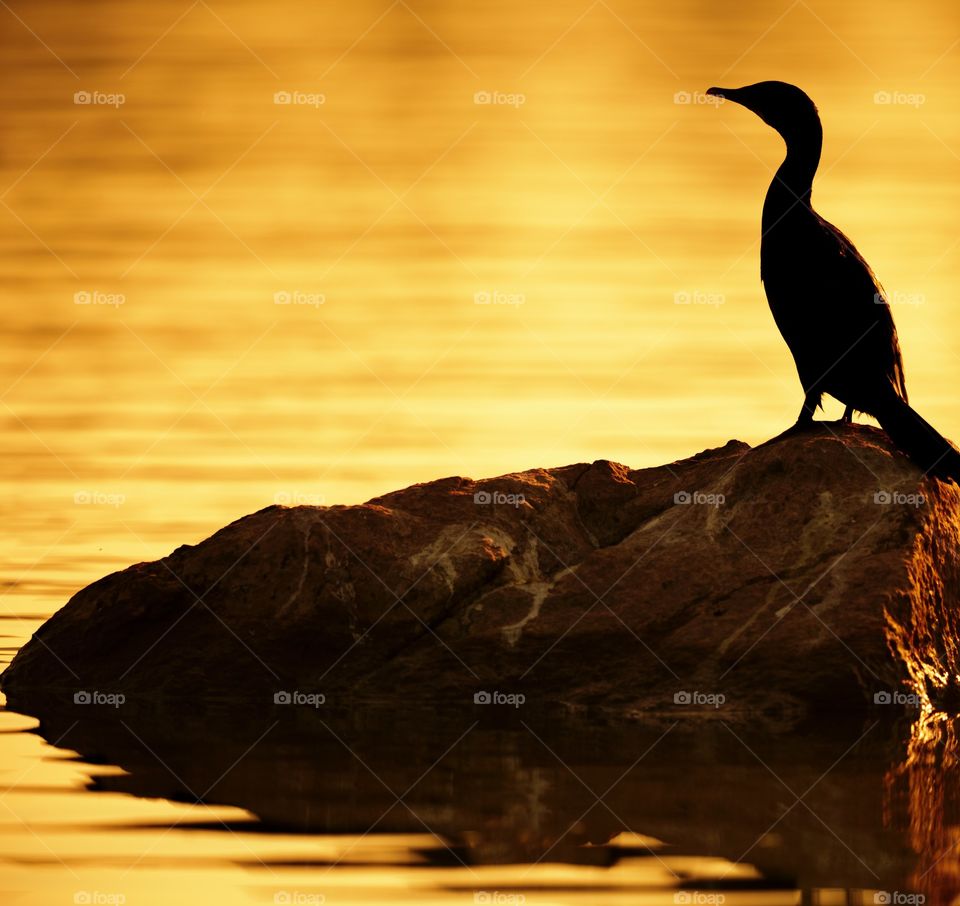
[829, 306]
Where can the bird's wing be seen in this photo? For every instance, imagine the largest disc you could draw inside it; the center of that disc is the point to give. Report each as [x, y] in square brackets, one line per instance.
[862, 304]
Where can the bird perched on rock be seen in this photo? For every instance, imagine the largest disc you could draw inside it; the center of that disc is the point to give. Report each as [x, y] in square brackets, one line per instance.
[829, 306]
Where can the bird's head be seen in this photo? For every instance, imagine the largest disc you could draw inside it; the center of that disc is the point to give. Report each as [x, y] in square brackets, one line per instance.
[779, 104]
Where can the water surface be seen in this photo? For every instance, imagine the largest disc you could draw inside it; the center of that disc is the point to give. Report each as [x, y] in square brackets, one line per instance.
[321, 303]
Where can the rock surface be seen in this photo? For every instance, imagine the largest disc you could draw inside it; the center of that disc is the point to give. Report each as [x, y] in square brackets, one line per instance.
[811, 573]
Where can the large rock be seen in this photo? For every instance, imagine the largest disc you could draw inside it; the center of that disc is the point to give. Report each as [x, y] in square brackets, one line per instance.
[814, 573]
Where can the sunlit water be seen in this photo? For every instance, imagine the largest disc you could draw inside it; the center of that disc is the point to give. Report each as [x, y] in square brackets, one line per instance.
[321, 302]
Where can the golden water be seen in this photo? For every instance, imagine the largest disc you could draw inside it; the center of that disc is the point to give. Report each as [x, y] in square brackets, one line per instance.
[582, 208]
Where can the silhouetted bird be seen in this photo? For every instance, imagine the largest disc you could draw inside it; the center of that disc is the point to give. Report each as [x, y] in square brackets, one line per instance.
[824, 297]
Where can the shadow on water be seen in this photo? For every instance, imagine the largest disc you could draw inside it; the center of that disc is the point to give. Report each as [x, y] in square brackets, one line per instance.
[866, 806]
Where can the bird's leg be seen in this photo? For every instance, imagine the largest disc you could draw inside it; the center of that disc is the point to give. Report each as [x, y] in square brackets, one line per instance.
[847, 415]
[805, 418]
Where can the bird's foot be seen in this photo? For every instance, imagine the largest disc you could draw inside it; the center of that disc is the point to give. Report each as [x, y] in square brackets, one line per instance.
[800, 426]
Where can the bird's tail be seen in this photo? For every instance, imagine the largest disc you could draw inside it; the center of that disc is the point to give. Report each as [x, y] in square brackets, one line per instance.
[916, 437]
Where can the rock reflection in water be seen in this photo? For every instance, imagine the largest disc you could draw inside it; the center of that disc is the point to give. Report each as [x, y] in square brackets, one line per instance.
[809, 807]
[923, 799]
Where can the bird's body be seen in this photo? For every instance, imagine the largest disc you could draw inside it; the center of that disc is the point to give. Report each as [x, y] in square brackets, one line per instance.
[834, 318]
[826, 301]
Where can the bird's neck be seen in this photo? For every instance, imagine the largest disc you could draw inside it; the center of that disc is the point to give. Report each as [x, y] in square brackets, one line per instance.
[793, 182]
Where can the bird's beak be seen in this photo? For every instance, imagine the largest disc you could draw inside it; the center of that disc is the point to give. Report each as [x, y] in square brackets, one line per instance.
[729, 94]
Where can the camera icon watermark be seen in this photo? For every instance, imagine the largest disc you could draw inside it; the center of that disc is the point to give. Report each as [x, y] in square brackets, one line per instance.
[298, 898]
[299, 99]
[513, 699]
[899, 98]
[498, 297]
[99, 898]
[702, 699]
[887, 498]
[903, 699]
[690, 498]
[107, 699]
[99, 498]
[898, 898]
[96, 297]
[697, 98]
[698, 297]
[499, 99]
[498, 498]
[898, 297]
[298, 498]
[309, 699]
[298, 297]
[99, 99]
